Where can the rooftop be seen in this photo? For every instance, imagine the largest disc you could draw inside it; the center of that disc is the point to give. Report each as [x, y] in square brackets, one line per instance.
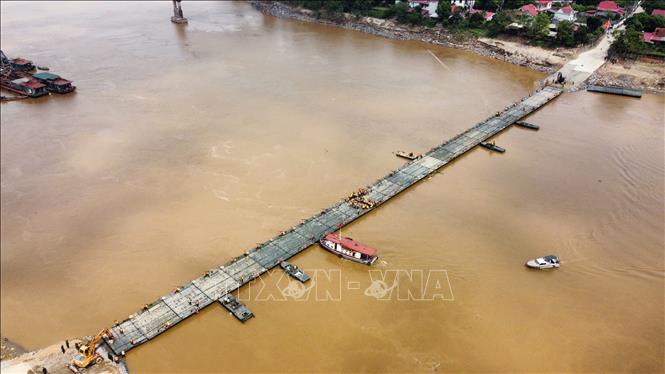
[658, 12]
[46, 76]
[529, 9]
[609, 6]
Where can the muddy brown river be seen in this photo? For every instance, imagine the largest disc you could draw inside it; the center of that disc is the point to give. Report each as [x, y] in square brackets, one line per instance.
[184, 146]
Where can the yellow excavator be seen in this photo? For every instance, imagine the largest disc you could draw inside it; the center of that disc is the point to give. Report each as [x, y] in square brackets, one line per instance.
[88, 355]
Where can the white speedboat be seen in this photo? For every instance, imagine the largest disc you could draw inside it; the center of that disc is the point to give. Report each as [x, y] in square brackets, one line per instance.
[546, 262]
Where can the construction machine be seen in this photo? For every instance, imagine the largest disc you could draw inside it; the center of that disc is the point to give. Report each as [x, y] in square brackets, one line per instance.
[88, 355]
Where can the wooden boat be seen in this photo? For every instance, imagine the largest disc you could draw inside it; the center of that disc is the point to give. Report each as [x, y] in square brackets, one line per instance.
[294, 271]
[409, 156]
[349, 249]
[492, 147]
[527, 125]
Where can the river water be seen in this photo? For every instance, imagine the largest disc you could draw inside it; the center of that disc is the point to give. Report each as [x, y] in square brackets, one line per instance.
[186, 145]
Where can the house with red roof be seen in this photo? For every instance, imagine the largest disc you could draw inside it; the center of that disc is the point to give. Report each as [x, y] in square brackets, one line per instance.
[608, 8]
[658, 12]
[529, 9]
[428, 6]
[566, 13]
[658, 36]
[544, 5]
[486, 14]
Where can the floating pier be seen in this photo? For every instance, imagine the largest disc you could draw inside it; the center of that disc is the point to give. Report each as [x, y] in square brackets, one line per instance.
[217, 284]
[615, 90]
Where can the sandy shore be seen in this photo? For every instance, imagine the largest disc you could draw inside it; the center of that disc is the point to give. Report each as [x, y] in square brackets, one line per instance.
[16, 360]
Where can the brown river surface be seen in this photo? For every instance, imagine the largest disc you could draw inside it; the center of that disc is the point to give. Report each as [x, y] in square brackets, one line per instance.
[185, 146]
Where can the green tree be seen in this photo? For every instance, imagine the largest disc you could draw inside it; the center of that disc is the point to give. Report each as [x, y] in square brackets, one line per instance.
[476, 20]
[650, 5]
[333, 6]
[498, 24]
[515, 4]
[593, 23]
[443, 11]
[539, 27]
[401, 11]
[564, 34]
[491, 5]
[629, 41]
[581, 35]
[645, 22]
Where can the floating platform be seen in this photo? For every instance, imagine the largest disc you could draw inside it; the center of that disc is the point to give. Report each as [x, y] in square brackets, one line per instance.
[294, 271]
[615, 90]
[527, 125]
[238, 309]
[493, 147]
[155, 318]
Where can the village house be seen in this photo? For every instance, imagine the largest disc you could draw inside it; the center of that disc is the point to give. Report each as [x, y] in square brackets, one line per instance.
[544, 5]
[658, 36]
[428, 6]
[486, 14]
[463, 4]
[566, 13]
[609, 8]
[530, 10]
[658, 12]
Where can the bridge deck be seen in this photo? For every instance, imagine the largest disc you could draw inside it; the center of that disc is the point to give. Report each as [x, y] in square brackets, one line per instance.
[167, 311]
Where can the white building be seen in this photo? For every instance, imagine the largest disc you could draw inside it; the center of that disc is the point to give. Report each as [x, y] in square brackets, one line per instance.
[566, 13]
[463, 4]
[543, 5]
[428, 5]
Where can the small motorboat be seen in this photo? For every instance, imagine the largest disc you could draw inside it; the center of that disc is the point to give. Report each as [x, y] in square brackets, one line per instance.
[546, 262]
[349, 249]
[294, 271]
[409, 155]
[492, 147]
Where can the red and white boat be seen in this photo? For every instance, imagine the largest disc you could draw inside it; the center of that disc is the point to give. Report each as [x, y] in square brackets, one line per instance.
[349, 249]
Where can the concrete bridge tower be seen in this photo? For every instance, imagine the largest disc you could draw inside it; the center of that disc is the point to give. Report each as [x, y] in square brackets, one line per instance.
[177, 13]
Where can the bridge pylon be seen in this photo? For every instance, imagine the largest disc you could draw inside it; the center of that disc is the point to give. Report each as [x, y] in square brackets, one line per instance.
[177, 13]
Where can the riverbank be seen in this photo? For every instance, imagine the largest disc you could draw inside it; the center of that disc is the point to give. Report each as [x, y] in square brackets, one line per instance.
[575, 63]
[16, 359]
[647, 76]
[9, 349]
[536, 58]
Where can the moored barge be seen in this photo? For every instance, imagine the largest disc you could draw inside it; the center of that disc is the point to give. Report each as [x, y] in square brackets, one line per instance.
[55, 83]
[21, 64]
[349, 249]
[24, 86]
